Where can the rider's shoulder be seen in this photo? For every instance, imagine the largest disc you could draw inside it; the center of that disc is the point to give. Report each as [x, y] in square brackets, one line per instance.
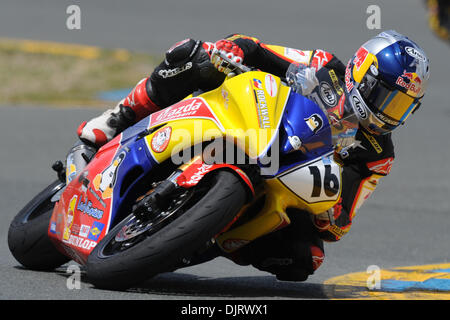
[322, 58]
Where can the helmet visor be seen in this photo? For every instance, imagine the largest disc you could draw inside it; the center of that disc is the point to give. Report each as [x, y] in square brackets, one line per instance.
[389, 104]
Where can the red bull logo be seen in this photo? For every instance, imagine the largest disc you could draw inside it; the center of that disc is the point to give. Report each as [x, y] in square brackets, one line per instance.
[360, 57]
[410, 81]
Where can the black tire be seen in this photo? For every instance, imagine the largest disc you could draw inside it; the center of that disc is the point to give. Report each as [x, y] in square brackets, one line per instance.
[28, 240]
[164, 249]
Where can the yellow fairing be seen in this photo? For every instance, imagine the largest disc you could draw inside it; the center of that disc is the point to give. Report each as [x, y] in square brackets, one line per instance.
[272, 217]
[248, 108]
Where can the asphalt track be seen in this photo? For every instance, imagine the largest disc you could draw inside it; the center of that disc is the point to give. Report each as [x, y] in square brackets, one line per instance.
[405, 222]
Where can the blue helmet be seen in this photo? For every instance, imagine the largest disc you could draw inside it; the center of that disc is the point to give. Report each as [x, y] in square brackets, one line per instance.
[386, 80]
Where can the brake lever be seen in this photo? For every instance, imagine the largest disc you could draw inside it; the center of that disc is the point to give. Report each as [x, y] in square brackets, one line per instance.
[238, 66]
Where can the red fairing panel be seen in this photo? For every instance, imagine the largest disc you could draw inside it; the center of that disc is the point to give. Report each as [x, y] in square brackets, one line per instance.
[81, 217]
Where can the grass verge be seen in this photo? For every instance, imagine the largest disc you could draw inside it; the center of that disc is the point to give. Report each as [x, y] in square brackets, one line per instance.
[45, 73]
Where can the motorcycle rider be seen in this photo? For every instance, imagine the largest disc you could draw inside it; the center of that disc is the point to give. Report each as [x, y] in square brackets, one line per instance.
[383, 83]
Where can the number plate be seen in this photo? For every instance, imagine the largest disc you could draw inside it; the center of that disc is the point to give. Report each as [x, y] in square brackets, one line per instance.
[315, 182]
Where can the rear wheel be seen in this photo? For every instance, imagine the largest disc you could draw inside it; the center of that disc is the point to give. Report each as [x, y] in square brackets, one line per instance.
[28, 240]
[142, 246]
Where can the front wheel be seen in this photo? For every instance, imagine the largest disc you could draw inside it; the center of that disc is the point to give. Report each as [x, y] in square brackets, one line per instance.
[28, 240]
[141, 247]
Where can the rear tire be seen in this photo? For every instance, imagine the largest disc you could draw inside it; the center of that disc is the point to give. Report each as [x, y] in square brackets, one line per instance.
[28, 240]
[164, 249]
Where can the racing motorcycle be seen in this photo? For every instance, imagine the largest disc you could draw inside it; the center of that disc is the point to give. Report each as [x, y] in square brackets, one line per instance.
[156, 197]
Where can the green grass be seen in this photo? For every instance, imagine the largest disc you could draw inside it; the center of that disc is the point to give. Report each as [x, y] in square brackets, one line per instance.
[40, 77]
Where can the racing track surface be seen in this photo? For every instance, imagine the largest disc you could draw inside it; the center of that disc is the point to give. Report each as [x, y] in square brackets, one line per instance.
[405, 222]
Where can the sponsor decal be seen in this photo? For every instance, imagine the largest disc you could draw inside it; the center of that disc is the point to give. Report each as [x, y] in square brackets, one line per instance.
[320, 59]
[87, 208]
[161, 139]
[69, 217]
[96, 196]
[335, 230]
[96, 230]
[105, 181]
[53, 227]
[413, 83]
[416, 54]
[80, 242]
[262, 109]
[386, 119]
[189, 108]
[71, 170]
[314, 122]
[75, 229]
[360, 57]
[335, 81]
[359, 107]
[373, 142]
[257, 84]
[327, 94]
[348, 79]
[382, 167]
[168, 73]
[84, 230]
[271, 85]
[297, 55]
[198, 175]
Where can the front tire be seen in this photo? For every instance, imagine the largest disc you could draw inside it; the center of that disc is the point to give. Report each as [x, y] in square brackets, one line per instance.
[28, 240]
[164, 249]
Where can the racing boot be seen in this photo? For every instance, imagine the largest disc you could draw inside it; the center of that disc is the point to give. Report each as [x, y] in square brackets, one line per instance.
[291, 254]
[136, 106]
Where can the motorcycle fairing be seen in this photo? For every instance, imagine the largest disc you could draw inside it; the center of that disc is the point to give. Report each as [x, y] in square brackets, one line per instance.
[246, 109]
[92, 200]
[88, 207]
